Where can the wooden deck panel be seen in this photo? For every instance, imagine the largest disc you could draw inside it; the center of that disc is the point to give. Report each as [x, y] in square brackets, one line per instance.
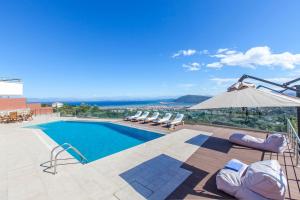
[208, 159]
[207, 185]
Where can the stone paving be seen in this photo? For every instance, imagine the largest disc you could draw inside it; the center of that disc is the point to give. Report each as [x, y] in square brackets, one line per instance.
[147, 171]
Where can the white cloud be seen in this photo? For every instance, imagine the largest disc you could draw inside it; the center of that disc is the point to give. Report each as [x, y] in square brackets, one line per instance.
[188, 52]
[222, 50]
[214, 65]
[230, 52]
[256, 56]
[222, 81]
[192, 66]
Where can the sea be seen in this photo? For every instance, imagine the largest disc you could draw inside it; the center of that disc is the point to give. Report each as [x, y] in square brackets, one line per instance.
[127, 103]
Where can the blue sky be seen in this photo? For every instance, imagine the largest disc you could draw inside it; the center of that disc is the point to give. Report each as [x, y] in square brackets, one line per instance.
[115, 49]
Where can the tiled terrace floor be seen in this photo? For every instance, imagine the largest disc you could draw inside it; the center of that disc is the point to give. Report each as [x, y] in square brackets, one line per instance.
[151, 170]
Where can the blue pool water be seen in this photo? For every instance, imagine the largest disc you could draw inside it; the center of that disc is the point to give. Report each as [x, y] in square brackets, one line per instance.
[96, 139]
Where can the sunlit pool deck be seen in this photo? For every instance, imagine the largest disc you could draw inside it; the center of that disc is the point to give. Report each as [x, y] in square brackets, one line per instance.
[180, 165]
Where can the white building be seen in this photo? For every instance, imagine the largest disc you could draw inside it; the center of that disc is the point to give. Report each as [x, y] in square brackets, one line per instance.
[11, 87]
[57, 105]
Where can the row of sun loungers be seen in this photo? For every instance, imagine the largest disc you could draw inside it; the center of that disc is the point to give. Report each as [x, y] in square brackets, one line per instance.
[260, 180]
[155, 119]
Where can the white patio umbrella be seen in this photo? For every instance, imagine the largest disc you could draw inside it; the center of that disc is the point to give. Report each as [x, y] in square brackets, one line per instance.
[244, 94]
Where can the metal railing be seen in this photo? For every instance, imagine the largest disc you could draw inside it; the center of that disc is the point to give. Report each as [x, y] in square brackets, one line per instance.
[266, 120]
[294, 140]
[65, 147]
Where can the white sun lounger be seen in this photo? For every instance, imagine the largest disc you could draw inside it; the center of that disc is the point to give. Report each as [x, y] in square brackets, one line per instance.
[260, 180]
[134, 116]
[165, 119]
[153, 117]
[142, 117]
[177, 120]
[275, 142]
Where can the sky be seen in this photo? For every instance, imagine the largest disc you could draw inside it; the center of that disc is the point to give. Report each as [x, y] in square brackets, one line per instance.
[146, 49]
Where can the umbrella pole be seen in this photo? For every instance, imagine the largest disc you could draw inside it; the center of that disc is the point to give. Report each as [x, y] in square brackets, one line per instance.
[298, 109]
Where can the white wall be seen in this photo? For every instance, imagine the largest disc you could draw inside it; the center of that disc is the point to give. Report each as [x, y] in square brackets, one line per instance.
[11, 89]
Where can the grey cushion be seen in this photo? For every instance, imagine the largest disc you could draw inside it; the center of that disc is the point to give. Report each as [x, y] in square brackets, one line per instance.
[261, 180]
[266, 178]
[275, 142]
[245, 194]
[229, 180]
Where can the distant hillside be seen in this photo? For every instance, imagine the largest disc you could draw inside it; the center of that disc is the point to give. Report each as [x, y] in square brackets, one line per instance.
[191, 99]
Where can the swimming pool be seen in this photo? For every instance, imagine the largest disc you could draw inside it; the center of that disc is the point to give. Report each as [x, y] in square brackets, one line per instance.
[96, 139]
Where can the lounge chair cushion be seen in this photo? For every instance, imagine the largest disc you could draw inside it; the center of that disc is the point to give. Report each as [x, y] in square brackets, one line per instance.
[246, 140]
[266, 178]
[261, 180]
[274, 142]
[245, 194]
[229, 180]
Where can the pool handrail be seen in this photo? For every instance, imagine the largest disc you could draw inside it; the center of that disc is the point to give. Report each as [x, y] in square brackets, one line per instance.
[65, 147]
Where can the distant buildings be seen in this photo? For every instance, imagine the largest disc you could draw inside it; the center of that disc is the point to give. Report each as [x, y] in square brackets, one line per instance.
[57, 105]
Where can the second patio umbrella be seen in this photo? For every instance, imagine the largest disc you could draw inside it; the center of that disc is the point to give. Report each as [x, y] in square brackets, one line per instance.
[246, 95]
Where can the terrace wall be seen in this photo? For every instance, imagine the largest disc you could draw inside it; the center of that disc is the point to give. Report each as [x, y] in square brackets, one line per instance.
[7, 104]
[37, 109]
[12, 103]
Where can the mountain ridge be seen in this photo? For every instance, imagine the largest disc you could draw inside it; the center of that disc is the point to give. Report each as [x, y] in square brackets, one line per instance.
[191, 99]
